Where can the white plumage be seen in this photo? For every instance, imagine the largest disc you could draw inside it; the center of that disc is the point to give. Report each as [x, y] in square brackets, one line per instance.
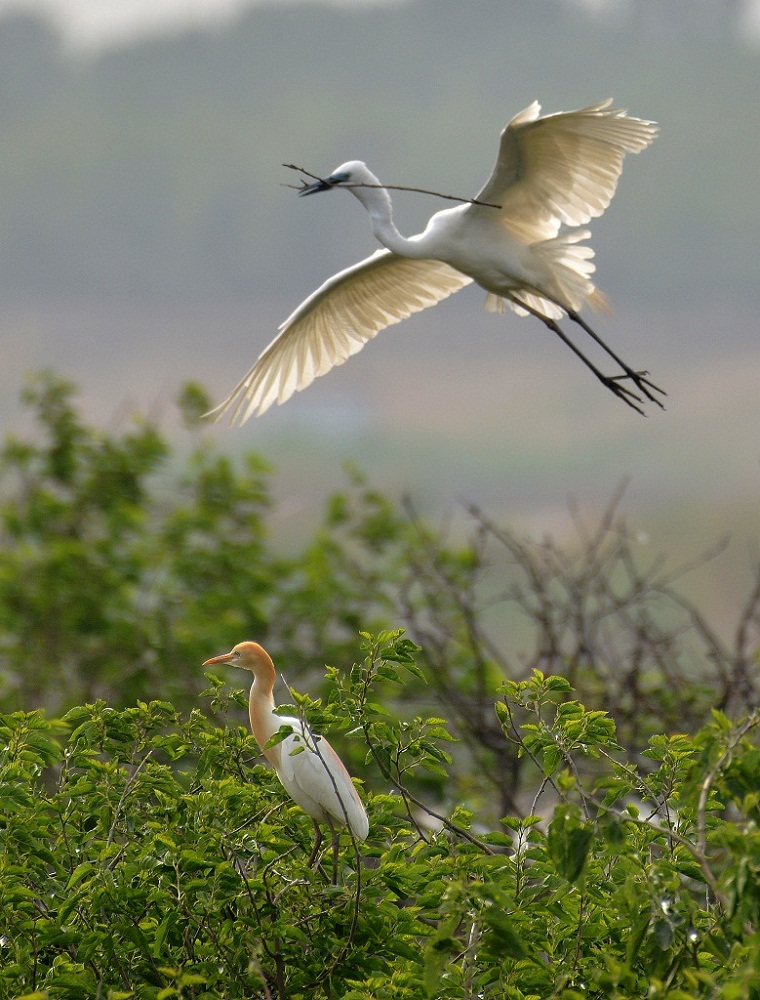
[552, 175]
[317, 781]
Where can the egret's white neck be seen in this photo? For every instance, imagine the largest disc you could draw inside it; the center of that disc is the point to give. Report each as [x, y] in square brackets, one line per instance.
[378, 203]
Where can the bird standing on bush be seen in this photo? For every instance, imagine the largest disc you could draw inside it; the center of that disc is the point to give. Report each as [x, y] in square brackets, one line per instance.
[310, 770]
[518, 240]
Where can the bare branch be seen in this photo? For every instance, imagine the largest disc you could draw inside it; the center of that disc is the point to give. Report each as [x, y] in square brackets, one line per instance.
[389, 187]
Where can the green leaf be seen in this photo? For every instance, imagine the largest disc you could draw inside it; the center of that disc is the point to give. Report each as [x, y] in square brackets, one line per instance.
[552, 758]
[282, 734]
[637, 934]
[501, 936]
[79, 873]
[192, 860]
[568, 842]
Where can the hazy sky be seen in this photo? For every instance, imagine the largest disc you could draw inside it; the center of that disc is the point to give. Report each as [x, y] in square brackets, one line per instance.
[94, 24]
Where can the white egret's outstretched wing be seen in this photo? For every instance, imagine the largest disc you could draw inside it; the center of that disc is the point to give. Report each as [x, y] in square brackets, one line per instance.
[562, 169]
[335, 322]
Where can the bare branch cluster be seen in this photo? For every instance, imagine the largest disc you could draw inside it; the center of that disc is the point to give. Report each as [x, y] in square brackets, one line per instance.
[591, 610]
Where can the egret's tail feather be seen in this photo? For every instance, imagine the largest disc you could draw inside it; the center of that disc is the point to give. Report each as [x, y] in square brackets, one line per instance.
[599, 302]
[568, 261]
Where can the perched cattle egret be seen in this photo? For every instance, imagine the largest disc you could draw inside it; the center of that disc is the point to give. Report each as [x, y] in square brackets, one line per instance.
[308, 767]
[519, 240]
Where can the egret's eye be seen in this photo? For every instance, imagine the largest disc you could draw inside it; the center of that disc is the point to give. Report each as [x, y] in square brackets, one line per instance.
[340, 178]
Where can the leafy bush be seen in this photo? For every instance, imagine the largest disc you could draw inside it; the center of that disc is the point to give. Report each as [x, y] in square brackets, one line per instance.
[147, 855]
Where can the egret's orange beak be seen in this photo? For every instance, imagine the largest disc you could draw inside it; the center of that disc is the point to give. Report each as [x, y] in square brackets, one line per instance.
[222, 658]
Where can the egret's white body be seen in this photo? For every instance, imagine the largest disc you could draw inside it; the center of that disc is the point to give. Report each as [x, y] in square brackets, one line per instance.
[552, 175]
[310, 770]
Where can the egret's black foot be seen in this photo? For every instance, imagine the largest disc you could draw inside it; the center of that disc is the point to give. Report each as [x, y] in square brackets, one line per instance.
[622, 391]
[643, 384]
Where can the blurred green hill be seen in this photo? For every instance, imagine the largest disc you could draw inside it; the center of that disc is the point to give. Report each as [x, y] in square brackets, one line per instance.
[154, 170]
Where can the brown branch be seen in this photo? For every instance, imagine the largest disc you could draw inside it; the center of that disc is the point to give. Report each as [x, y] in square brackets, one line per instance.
[388, 187]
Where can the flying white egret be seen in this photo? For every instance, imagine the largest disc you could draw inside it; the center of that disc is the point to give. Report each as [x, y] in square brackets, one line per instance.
[552, 175]
[310, 770]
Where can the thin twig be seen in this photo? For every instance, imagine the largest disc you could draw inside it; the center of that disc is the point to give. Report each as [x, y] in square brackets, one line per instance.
[389, 187]
[723, 761]
[692, 848]
[400, 787]
[469, 958]
[130, 781]
[408, 797]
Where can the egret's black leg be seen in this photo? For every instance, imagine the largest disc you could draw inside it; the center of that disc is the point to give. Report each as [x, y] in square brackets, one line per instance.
[638, 378]
[613, 384]
[610, 381]
[317, 843]
[335, 845]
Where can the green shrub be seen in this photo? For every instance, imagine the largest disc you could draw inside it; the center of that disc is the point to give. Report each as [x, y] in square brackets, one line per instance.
[148, 855]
